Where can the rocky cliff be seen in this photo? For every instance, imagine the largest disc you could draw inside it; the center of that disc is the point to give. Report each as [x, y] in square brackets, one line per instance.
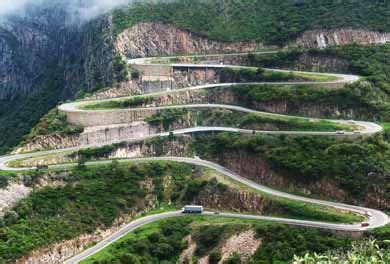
[44, 42]
[339, 37]
[156, 39]
[45, 59]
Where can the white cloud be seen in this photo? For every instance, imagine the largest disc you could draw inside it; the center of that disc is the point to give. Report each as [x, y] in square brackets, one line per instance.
[80, 9]
[12, 6]
[98, 7]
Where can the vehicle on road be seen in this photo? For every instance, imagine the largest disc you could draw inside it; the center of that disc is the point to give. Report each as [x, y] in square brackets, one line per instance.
[42, 167]
[340, 132]
[365, 224]
[192, 209]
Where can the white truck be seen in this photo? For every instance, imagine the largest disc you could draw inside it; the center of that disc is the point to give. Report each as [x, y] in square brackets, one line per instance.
[192, 209]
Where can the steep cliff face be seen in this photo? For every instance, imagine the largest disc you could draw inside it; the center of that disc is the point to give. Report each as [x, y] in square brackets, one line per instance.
[156, 39]
[339, 37]
[43, 40]
[26, 51]
[44, 59]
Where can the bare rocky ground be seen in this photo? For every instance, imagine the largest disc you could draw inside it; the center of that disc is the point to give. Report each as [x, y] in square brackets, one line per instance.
[244, 244]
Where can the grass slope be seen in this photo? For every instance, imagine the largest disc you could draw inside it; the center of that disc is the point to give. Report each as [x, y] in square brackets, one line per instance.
[272, 22]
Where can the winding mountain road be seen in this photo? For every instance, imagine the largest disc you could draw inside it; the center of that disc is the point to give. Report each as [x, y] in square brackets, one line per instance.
[376, 218]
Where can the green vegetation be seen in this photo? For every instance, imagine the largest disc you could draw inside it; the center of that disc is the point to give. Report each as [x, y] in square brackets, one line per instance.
[134, 73]
[60, 77]
[360, 101]
[155, 243]
[5, 178]
[281, 21]
[369, 100]
[18, 116]
[120, 68]
[386, 127]
[381, 235]
[369, 61]
[292, 123]
[137, 101]
[101, 193]
[260, 75]
[361, 252]
[218, 184]
[209, 233]
[52, 123]
[167, 119]
[354, 165]
[3, 181]
[253, 75]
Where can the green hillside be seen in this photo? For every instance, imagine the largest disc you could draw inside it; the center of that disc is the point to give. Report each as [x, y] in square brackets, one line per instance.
[269, 21]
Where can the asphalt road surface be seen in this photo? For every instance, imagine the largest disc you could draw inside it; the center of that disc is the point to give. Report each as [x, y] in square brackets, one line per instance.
[376, 218]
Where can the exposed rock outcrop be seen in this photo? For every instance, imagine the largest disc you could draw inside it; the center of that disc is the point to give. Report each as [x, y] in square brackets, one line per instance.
[11, 195]
[54, 141]
[177, 147]
[231, 200]
[156, 39]
[339, 37]
[244, 244]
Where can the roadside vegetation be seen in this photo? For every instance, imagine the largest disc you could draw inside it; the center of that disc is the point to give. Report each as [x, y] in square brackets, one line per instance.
[209, 233]
[368, 61]
[86, 200]
[368, 99]
[104, 193]
[53, 122]
[228, 75]
[171, 118]
[360, 101]
[367, 251]
[136, 101]
[354, 165]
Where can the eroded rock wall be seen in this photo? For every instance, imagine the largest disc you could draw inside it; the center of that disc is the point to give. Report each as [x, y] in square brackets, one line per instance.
[340, 37]
[157, 39]
[54, 141]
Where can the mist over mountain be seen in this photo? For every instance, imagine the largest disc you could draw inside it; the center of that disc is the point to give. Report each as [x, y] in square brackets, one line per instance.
[77, 10]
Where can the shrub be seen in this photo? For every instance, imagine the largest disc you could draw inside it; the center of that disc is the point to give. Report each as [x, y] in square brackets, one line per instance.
[215, 257]
[3, 181]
